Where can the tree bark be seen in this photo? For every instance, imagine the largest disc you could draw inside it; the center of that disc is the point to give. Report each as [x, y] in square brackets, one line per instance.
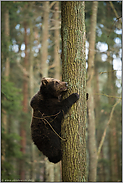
[91, 115]
[74, 72]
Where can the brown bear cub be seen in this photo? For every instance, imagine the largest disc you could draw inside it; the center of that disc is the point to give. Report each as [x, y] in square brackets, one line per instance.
[48, 112]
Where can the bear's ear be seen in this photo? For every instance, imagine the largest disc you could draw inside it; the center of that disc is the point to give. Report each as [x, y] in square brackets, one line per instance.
[44, 81]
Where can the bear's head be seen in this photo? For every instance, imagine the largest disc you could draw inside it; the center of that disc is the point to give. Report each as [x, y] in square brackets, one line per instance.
[51, 87]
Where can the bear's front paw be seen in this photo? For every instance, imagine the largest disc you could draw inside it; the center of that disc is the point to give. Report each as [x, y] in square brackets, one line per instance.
[75, 97]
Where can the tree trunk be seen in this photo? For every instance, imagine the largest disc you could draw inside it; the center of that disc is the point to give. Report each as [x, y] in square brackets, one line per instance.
[100, 165]
[74, 72]
[91, 115]
[56, 40]
[44, 45]
[113, 141]
[7, 64]
[7, 68]
[57, 170]
[25, 110]
[49, 171]
[49, 176]
[57, 75]
[31, 85]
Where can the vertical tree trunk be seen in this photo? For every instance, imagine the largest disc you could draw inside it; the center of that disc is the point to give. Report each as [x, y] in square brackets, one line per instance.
[100, 165]
[49, 176]
[113, 141]
[7, 68]
[91, 115]
[49, 171]
[96, 90]
[7, 64]
[57, 169]
[25, 110]
[31, 85]
[56, 40]
[57, 172]
[44, 45]
[74, 72]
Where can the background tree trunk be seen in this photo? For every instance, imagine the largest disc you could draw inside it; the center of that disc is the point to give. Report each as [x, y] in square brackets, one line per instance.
[57, 75]
[31, 86]
[7, 69]
[101, 173]
[44, 45]
[113, 141]
[25, 110]
[56, 41]
[74, 72]
[91, 115]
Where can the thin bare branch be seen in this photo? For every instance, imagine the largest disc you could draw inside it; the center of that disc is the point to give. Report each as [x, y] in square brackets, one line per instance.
[115, 12]
[104, 133]
[108, 95]
[52, 4]
[108, 71]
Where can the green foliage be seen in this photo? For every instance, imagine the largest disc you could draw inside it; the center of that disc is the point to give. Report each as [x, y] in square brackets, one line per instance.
[11, 147]
[11, 97]
[7, 172]
[11, 103]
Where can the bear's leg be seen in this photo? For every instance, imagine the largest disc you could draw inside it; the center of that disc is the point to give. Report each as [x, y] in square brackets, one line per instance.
[50, 147]
[68, 102]
[55, 154]
[56, 158]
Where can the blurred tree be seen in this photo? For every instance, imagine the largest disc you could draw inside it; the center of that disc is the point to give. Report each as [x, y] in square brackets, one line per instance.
[113, 140]
[6, 43]
[57, 74]
[25, 108]
[56, 41]
[31, 85]
[97, 105]
[91, 114]
[74, 72]
[106, 32]
[7, 65]
[7, 38]
[45, 36]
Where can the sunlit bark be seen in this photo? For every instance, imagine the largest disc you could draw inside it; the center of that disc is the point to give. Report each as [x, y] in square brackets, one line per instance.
[74, 72]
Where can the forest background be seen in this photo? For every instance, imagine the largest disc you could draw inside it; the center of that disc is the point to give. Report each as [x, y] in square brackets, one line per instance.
[31, 49]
